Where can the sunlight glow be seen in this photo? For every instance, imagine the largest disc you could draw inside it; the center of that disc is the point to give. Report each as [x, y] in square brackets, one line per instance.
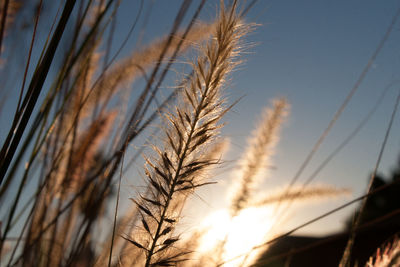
[250, 228]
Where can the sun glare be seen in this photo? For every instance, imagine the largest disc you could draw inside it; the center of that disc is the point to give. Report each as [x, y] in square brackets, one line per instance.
[242, 232]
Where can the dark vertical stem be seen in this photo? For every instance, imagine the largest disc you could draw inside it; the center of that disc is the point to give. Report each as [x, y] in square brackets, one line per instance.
[35, 87]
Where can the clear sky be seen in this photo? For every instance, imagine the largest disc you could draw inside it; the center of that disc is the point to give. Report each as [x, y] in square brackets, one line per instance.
[312, 52]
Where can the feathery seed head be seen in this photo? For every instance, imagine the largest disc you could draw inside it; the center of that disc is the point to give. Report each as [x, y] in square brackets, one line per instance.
[302, 194]
[191, 127]
[260, 149]
[389, 256]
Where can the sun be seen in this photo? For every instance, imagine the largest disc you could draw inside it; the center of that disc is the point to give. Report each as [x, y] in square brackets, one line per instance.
[249, 228]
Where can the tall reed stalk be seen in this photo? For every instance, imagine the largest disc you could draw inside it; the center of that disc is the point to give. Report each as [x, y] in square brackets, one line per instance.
[191, 128]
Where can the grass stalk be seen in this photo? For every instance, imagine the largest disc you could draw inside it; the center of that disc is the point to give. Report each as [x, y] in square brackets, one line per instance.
[192, 125]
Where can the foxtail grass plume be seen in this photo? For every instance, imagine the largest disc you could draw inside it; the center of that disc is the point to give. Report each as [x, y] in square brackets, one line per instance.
[259, 151]
[124, 72]
[90, 93]
[191, 128]
[88, 144]
[74, 168]
[309, 193]
[386, 257]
